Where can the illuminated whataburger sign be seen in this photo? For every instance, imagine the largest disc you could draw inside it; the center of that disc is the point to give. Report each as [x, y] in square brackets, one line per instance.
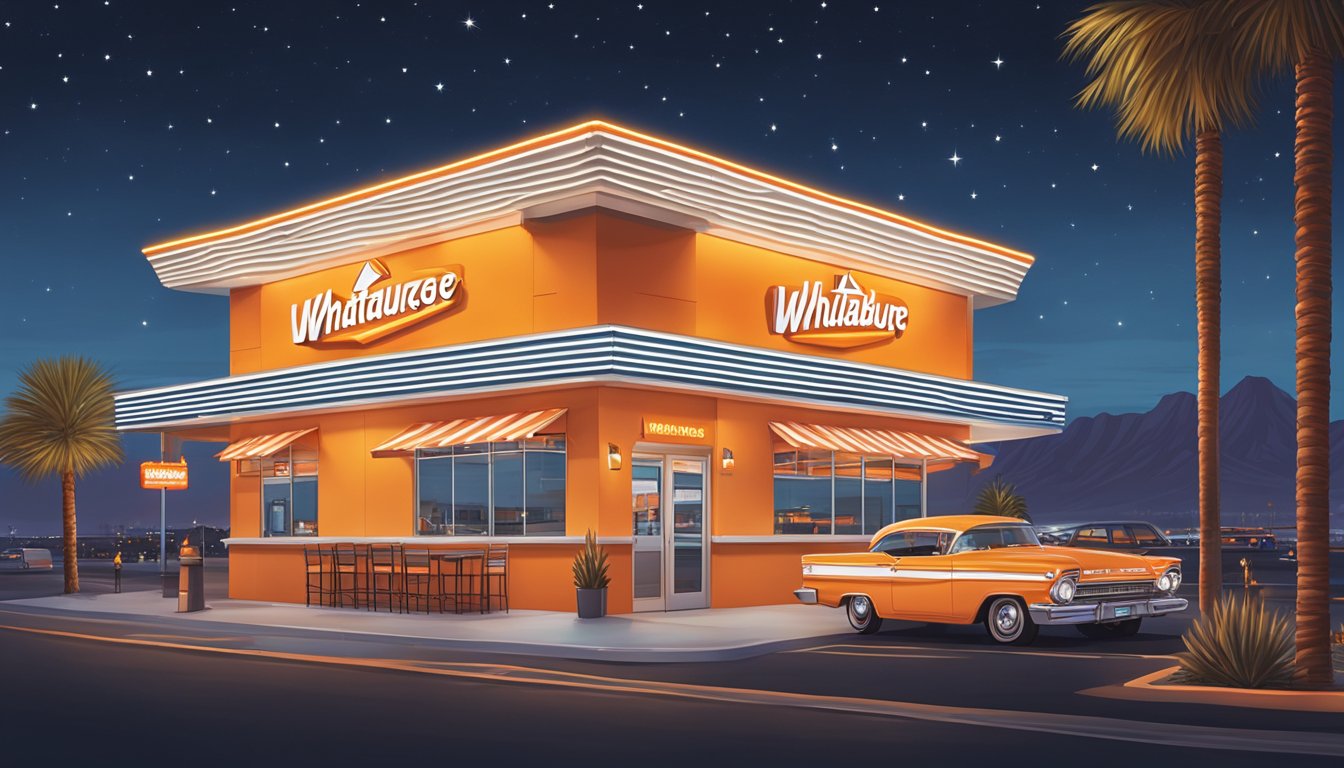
[845, 316]
[164, 475]
[369, 313]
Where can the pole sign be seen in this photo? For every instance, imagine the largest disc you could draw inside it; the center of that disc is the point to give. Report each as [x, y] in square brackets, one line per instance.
[164, 475]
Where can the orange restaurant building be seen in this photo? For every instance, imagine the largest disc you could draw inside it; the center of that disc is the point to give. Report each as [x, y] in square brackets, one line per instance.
[715, 369]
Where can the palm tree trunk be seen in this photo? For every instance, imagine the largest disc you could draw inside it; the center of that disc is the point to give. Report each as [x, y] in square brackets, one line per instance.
[70, 547]
[1208, 307]
[1313, 160]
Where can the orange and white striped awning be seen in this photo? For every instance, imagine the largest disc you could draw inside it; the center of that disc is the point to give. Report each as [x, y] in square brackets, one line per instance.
[261, 446]
[487, 429]
[878, 442]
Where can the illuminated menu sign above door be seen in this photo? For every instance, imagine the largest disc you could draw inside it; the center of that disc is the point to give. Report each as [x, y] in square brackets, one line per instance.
[844, 316]
[376, 305]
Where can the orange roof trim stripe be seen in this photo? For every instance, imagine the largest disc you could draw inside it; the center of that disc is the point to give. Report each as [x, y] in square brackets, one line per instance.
[568, 133]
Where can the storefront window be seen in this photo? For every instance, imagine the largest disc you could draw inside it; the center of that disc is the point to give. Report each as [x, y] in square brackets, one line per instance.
[500, 489]
[288, 493]
[820, 492]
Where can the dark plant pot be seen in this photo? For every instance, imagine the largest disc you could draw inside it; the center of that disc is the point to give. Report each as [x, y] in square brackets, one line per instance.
[592, 603]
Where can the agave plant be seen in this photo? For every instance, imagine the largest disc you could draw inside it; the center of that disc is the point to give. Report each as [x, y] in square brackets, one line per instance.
[1001, 498]
[1240, 645]
[590, 564]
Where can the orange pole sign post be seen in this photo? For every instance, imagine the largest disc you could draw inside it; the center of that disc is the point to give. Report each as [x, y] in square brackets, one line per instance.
[164, 475]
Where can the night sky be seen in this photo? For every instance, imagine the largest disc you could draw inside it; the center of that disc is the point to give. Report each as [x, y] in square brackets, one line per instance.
[123, 124]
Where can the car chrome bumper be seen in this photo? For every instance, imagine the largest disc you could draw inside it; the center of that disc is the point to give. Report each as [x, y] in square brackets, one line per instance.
[1114, 610]
[806, 595]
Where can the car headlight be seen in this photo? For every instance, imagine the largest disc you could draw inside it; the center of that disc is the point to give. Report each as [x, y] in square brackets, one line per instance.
[1170, 581]
[1064, 590]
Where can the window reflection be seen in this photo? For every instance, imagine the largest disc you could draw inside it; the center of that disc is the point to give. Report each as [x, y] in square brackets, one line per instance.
[505, 489]
[821, 492]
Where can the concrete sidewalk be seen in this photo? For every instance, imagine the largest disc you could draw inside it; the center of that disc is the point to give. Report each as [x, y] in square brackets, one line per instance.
[681, 636]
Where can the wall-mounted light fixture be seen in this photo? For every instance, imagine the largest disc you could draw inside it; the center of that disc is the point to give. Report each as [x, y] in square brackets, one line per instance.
[613, 456]
[728, 462]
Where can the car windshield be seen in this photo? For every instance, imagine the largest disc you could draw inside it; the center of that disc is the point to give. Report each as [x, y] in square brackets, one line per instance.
[996, 537]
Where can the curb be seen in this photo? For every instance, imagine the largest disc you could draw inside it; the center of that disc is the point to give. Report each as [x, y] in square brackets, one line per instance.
[1146, 689]
[510, 647]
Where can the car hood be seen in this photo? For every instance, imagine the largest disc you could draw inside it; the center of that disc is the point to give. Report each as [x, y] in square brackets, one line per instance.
[1100, 565]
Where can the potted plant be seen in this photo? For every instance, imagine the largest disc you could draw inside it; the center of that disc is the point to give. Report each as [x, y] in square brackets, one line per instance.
[590, 578]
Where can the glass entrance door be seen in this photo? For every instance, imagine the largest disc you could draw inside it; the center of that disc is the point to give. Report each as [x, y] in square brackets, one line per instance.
[670, 505]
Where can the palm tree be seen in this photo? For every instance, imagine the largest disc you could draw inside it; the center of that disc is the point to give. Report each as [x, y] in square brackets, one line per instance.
[1170, 72]
[1001, 498]
[1307, 36]
[59, 422]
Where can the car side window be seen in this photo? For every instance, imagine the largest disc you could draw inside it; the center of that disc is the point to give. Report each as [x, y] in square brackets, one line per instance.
[1121, 535]
[911, 543]
[1144, 535]
[990, 538]
[1091, 536]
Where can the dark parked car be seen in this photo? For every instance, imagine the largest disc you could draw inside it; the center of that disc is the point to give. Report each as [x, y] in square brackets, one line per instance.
[1123, 536]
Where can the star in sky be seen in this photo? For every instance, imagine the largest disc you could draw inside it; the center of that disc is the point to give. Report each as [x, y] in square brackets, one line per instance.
[997, 62]
[955, 158]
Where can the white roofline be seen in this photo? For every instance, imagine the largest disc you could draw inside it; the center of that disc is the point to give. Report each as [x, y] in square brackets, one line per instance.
[597, 168]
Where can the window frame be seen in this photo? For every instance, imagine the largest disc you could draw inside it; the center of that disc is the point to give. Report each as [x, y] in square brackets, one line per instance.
[452, 454]
[862, 479]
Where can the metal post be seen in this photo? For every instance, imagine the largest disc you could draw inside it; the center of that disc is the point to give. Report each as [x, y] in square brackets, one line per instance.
[163, 537]
[923, 487]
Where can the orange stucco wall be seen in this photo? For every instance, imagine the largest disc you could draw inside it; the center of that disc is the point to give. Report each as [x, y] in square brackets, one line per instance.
[359, 495]
[599, 268]
[568, 272]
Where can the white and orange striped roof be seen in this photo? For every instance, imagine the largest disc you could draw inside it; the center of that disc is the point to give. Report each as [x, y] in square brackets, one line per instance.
[487, 429]
[261, 446]
[911, 446]
[592, 164]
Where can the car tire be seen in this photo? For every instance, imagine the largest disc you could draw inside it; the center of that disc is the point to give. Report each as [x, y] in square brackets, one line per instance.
[862, 615]
[1008, 622]
[1128, 627]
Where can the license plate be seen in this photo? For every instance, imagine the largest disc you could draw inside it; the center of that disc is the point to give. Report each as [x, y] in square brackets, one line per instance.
[1123, 610]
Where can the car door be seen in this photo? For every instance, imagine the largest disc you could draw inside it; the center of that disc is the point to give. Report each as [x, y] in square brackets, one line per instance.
[921, 575]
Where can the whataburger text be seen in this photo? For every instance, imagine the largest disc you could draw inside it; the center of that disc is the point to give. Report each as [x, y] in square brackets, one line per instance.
[848, 317]
[368, 314]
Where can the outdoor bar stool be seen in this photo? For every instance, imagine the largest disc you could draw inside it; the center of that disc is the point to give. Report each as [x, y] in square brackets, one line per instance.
[470, 564]
[382, 576]
[317, 568]
[346, 572]
[495, 572]
[418, 575]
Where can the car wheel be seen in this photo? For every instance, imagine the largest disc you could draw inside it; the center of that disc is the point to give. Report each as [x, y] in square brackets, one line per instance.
[1128, 627]
[1009, 623]
[862, 616]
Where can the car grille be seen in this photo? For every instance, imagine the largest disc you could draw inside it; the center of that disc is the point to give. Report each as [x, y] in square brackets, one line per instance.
[1100, 591]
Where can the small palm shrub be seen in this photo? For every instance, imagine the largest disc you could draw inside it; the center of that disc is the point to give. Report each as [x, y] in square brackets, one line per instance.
[1002, 499]
[590, 564]
[1240, 645]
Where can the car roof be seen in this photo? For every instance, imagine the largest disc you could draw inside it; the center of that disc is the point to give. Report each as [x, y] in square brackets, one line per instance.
[1062, 526]
[948, 523]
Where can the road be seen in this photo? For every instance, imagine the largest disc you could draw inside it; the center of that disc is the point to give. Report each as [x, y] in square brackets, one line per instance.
[913, 694]
[85, 701]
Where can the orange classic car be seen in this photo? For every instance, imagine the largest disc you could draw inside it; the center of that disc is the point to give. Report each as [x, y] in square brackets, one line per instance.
[968, 569]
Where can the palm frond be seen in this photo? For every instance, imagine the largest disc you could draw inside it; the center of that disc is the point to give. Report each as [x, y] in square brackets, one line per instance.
[1169, 69]
[60, 419]
[1276, 35]
[1001, 498]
